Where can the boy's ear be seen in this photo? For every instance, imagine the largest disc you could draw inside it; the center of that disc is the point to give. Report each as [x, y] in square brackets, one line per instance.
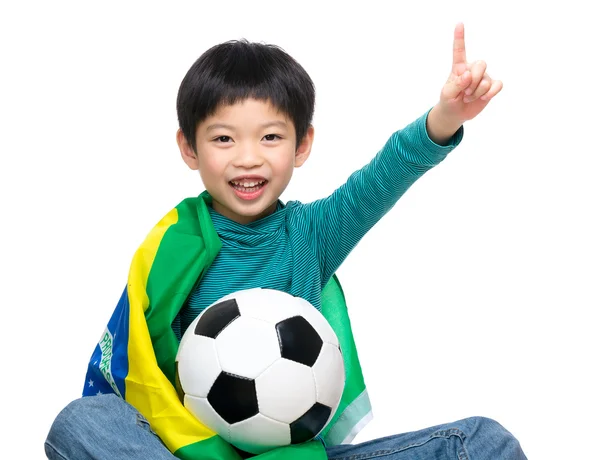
[303, 150]
[187, 152]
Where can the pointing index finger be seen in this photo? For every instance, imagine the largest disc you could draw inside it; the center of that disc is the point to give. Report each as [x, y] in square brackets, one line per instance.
[459, 58]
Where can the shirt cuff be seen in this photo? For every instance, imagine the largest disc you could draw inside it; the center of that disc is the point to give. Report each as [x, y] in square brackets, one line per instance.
[442, 149]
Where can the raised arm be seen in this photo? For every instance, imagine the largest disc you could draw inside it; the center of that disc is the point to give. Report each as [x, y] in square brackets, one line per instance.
[342, 219]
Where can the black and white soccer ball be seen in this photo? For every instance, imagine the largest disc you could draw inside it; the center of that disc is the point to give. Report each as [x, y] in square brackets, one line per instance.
[262, 369]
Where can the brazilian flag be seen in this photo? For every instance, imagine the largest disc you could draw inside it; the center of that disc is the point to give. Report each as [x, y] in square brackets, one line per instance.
[135, 357]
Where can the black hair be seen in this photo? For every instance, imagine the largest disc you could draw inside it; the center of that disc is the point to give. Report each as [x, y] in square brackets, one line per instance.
[237, 70]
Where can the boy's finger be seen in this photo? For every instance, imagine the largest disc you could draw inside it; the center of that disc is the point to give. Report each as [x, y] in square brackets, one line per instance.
[455, 85]
[478, 71]
[497, 86]
[459, 54]
[483, 88]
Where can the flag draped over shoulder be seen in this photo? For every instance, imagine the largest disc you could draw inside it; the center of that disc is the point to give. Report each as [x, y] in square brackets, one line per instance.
[135, 357]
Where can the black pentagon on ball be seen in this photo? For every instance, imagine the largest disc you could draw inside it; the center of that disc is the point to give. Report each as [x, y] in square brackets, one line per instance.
[298, 340]
[233, 397]
[216, 318]
[310, 424]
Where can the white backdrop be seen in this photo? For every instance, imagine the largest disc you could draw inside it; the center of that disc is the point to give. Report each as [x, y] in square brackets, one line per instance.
[476, 295]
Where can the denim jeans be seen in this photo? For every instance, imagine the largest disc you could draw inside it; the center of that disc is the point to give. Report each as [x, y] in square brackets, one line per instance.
[106, 427]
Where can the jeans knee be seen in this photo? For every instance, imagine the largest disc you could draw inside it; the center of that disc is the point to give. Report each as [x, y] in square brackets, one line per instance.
[65, 419]
[489, 436]
[84, 407]
[103, 426]
[72, 423]
[61, 432]
[487, 424]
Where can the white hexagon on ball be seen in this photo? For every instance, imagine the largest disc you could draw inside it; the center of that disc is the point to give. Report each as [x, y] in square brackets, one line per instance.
[259, 434]
[329, 362]
[202, 355]
[273, 391]
[274, 307]
[247, 347]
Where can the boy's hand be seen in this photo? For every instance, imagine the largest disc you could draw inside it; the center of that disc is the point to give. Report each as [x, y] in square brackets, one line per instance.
[469, 88]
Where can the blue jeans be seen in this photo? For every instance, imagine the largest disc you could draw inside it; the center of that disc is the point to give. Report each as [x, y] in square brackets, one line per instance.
[106, 427]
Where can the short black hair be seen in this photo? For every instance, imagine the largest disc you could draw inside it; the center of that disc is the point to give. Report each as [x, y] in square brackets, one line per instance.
[237, 70]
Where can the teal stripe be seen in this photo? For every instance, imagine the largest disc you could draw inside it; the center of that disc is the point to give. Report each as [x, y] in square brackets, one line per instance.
[356, 411]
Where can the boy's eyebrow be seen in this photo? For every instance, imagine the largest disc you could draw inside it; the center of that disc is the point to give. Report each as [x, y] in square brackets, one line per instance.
[268, 124]
[278, 123]
[219, 126]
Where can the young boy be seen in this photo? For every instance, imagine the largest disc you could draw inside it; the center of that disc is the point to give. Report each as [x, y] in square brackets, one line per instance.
[245, 114]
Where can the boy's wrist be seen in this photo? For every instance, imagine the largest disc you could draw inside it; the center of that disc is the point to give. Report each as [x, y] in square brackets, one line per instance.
[441, 126]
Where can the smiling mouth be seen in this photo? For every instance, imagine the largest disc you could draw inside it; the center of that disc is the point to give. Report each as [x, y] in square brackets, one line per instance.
[248, 186]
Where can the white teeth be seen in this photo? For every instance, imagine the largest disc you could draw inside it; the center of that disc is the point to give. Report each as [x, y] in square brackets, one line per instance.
[247, 184]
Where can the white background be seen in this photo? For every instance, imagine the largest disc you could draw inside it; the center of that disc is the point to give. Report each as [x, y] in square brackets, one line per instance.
[476, 295]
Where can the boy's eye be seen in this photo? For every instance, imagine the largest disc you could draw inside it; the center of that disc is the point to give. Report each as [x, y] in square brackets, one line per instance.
[222, 139]
[272, 137]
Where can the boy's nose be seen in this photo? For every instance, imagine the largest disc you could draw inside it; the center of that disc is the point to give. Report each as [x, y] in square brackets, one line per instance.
[248, 157]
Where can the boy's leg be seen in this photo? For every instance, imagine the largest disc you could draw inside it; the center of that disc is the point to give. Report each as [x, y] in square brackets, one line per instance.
[475, 438]
[103, 427]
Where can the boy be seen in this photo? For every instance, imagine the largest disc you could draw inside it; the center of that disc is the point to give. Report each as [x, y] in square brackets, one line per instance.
[245, 114]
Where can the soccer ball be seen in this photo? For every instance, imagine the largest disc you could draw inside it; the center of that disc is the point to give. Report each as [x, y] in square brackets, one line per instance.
[262, 369]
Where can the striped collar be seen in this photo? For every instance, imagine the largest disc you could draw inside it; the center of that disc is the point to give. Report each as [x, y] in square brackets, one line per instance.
[257, 233]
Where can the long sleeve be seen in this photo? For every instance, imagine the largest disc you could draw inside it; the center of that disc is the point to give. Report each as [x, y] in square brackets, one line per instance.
[342, 219]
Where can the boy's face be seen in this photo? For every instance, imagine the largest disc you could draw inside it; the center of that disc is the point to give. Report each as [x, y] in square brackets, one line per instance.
[246, 154]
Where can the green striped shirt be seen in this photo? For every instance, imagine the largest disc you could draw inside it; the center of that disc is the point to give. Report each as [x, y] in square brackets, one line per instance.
[300, 246]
